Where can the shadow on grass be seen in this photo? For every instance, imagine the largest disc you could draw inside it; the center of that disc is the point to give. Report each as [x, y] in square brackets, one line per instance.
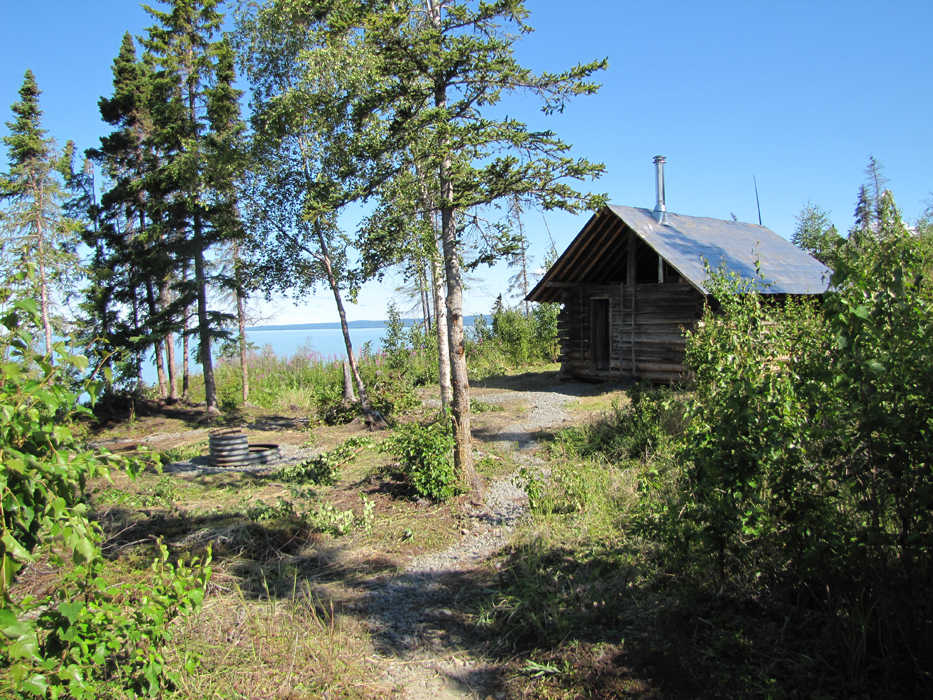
[553, 621]
[547, 381]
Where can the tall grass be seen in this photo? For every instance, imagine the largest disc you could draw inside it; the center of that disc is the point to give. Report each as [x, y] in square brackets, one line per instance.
[295, 383]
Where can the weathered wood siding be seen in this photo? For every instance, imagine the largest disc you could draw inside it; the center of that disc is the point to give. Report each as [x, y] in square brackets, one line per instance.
[646, 323]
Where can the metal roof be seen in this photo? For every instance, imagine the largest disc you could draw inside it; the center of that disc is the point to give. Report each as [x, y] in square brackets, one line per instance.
[686, 242]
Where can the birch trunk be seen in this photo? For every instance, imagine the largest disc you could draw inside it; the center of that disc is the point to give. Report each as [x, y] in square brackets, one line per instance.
[373, 415]
[440, 327]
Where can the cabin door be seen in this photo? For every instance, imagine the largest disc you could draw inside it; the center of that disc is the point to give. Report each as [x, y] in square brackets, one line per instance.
[599, 333]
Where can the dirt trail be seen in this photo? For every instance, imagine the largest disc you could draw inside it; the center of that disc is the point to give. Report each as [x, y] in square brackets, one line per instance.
[423, 648]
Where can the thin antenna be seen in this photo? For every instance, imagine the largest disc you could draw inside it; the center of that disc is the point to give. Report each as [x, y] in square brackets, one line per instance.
[758, 203]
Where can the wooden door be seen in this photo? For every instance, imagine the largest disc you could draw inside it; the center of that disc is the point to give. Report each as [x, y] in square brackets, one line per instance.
[599, 333]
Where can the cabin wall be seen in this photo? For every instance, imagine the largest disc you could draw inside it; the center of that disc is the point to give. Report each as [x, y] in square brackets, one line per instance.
[646, 323]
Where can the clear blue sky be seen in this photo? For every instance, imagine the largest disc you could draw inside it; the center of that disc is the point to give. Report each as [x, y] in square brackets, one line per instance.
[796, 93]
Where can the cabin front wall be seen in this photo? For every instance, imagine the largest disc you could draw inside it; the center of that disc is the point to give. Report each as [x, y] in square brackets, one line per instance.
[644, 332]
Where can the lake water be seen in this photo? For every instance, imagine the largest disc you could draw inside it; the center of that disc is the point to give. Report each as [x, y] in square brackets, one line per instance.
[326, 343]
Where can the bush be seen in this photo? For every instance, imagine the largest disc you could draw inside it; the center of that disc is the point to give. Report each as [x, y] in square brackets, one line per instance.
[86, 637]
[426, 454]
[324, 469]
[808, 446]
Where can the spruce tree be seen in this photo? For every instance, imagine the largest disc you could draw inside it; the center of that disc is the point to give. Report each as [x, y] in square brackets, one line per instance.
[137, 258]
[190, 75]
[35, 230]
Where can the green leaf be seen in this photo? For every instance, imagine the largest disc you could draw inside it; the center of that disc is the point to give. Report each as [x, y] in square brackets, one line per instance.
[37, 685]
[875, 366]
[71, 610]
[15, 548]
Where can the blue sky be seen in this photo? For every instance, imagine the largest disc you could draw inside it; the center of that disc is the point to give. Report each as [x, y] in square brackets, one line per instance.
[797, 94]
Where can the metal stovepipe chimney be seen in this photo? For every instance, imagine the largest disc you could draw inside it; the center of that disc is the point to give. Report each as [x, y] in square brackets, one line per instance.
[660, 208]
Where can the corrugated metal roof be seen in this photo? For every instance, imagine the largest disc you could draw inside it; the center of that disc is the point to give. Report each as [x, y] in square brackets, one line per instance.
[686, 241]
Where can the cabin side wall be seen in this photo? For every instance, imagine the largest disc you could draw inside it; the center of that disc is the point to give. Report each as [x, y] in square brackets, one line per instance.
[646, 323]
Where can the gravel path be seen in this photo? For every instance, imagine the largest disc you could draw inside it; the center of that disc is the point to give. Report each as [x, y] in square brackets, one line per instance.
[423, 646]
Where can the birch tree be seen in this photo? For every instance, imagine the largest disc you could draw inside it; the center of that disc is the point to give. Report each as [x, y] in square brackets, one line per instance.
[447, 64]
[304, 166]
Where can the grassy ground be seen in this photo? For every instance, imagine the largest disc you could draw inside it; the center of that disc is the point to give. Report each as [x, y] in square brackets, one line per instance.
[577, 605]
[280, 618]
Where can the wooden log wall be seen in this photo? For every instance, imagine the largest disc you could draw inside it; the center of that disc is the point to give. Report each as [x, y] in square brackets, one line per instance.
[646, 343]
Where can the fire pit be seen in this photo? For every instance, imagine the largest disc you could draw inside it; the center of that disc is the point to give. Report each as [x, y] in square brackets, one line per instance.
[230, 448]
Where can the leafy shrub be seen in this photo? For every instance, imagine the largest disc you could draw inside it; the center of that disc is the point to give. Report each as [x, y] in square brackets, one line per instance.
[86, 638]
[650, 422]
[426, 454]
[393, 393]
[477, 406]
[330, 406]
[324, 469]
[748, 428]
[319, 517]
[808, 450]
[514, 333]
[93, 636]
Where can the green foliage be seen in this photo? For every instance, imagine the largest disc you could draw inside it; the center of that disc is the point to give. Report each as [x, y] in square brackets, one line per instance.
[318, 517]
[395, 346]
[817, 235]
[744, 429]
[324, 469]
[807, 453]
[183, 453]
[649, 423]
[86, 637]
[426, 454]
[477, 406]
[93, 638]
[513, 339]
[35, 233]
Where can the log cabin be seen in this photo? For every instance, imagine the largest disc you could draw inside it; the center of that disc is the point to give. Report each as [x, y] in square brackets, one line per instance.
[634, 280]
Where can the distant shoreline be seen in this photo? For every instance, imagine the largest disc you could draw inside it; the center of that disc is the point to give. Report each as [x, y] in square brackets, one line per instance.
[467, 321]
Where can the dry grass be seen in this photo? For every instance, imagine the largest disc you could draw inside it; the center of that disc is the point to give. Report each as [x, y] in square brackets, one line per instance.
[296, 647]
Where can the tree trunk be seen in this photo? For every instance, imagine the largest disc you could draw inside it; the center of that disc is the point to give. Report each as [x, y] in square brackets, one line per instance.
[460, 383]
[425, 305]
[170, 365]
[185, 357]
[38, 197]
[241, 321]
[241, 324]
[157, 345]
[43, 289]
[521, 278]
[376, 419]
[440, 327]
[437, 292]
[137, 354]
[463, 452]
[348, 395]
[204, 334]
[169, 342]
